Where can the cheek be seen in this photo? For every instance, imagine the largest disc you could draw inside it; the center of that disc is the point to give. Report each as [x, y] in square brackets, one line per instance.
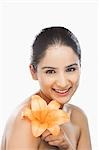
[75, 79]
[44, 82]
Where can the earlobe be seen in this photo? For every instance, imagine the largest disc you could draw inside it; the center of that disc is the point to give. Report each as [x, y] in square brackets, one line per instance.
[33, 72]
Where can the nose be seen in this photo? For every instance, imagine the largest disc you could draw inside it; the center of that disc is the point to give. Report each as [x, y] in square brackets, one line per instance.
[62, 81]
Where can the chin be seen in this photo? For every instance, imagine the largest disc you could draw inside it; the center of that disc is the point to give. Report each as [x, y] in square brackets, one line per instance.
[62, 100]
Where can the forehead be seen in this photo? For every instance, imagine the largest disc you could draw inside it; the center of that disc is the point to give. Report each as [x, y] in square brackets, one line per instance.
[59, 54]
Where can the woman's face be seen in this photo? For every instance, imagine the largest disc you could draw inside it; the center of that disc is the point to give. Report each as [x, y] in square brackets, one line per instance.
[58, 73]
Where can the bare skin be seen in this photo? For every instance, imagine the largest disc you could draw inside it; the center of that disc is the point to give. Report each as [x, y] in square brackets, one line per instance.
[58, 76]
[18, 134]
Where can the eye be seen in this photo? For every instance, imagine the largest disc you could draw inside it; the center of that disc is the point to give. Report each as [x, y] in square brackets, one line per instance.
[50, 72]
[70, 69]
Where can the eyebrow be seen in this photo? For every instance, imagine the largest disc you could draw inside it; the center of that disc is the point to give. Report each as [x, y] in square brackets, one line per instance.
[75, 64]
[47, 67]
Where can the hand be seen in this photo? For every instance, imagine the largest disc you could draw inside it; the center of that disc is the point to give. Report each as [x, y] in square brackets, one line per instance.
[61, 141]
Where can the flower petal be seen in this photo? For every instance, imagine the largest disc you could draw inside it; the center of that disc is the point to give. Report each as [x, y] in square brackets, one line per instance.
[27, 114]
[38, 103]
[54, 130]
[40, 115]
[53, 105]
[37, 128]
[57, 117]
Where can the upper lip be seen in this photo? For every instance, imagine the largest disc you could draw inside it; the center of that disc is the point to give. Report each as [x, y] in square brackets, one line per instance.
[61, 90]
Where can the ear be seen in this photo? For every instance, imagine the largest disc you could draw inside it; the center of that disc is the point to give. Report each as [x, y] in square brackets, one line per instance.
[33, 72]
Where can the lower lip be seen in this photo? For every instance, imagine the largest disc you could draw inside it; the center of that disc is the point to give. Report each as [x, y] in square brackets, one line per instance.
[62, 94]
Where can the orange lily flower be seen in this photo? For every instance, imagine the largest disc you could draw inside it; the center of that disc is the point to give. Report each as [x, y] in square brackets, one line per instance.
[43, 116]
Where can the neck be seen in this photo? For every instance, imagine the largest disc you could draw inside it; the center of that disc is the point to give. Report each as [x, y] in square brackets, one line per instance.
[42, 95]
[48, 100]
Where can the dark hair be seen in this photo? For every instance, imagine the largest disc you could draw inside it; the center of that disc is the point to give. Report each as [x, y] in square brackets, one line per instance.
[51, 36]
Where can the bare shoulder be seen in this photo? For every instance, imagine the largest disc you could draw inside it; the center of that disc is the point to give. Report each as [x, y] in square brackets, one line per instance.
[77, 115]
[16, 118]
[79, 118]
[18, 132]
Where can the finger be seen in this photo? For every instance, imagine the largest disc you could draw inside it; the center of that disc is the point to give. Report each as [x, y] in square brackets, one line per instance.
[49, 138]
[54, 143]
[59, 144]
[45, 134]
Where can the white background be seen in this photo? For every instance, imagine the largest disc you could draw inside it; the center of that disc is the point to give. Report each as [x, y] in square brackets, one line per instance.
[20, 22]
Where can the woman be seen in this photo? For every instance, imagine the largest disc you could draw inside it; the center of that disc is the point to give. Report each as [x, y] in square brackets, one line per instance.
[56, 64]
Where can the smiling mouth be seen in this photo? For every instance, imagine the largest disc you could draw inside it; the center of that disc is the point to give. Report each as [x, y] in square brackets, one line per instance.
[62, 92]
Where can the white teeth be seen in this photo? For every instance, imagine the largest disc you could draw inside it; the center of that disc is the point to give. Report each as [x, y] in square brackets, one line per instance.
[60, 91]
